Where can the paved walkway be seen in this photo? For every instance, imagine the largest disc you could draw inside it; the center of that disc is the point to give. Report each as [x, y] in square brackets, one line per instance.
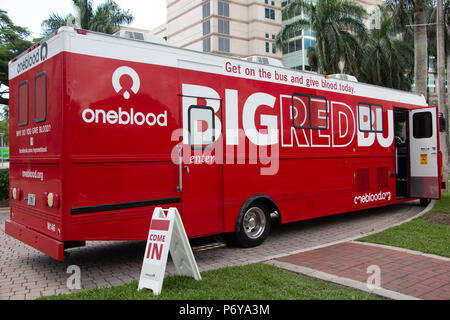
[25, 273]
[403, 274]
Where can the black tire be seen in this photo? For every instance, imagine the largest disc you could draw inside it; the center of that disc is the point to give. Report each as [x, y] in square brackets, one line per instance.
[252, 226]
[424, 202]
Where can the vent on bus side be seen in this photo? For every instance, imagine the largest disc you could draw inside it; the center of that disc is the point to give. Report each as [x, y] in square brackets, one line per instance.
[362, 180]
[382, 178]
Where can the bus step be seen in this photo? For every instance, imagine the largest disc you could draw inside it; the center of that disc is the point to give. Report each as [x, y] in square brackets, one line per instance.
[209, 246]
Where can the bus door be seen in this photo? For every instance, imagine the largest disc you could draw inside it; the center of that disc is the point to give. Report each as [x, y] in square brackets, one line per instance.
[424, 153]
[401, 153]
[201, 172]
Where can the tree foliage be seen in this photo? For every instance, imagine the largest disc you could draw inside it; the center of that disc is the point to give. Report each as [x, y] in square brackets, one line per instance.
[388, 59]
[105, 18]
[382, 56]
[13, 41]
[338, 26]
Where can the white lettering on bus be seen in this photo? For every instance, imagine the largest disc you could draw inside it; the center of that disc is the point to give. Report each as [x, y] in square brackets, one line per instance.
[339, 117]
[123, 117]
[370, 197]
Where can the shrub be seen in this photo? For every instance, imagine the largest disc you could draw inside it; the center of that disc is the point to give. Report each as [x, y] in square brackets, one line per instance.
[4, 184]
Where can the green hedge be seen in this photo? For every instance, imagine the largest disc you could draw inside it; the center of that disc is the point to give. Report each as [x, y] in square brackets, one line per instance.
[4, 184]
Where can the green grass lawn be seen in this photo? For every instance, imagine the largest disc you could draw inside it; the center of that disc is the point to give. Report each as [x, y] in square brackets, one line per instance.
[250, 282]
[420, 234]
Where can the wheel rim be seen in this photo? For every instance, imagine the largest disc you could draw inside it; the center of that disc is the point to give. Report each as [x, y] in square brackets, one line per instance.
[254, 222]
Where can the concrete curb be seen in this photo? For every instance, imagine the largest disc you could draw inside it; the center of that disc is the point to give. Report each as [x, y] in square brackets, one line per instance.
[417, 253]
[340, 280]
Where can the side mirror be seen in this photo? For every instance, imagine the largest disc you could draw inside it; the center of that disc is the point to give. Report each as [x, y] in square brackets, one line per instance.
[442, 123]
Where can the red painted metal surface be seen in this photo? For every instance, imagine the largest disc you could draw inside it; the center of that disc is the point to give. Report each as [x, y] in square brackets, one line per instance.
[43, 243]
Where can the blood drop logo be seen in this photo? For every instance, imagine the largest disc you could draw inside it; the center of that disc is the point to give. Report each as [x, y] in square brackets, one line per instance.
[121, 71]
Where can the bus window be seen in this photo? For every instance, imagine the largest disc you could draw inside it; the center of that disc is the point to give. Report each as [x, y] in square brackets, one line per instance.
[40, 97]
[23, 104]
[309, 112]
[319, 113]
[422, 125]
[201, 127]
[370, 117]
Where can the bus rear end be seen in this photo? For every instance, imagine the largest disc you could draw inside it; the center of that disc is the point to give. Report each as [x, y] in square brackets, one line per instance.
[36, 135]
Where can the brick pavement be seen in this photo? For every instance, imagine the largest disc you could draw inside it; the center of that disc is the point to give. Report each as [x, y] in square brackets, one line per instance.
[406, 272]
[25, 273]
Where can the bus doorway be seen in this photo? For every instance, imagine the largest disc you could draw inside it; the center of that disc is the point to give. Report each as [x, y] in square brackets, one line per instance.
[401, 153]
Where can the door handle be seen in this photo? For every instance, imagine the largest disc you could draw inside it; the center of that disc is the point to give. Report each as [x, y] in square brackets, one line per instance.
[187, 169]
[180, 171]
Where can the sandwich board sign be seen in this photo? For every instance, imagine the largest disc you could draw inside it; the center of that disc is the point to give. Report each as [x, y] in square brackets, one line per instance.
[166, 234]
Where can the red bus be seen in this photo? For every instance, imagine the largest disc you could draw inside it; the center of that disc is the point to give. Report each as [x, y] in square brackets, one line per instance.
[103, 129]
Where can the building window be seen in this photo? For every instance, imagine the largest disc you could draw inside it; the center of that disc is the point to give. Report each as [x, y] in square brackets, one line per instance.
[309, 32]
[206, 9]
[292, 46]
[224, 44]
[207, 45]
[309, 43]
[206, 27]
[267, 47]
[224, 9]
[224, 26]
[270, 13]
[274, 48]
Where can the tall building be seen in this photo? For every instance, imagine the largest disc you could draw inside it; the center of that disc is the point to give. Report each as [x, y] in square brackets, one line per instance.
[236, 28]
[295, 52]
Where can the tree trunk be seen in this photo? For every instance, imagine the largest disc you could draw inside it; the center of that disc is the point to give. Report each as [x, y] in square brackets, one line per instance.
[440, 84]
[420, 50]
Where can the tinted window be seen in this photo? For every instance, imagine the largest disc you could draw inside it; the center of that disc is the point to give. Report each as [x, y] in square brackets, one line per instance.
[309, 112]
[23, 104]
[370, 117]
[40, 97]
[224, 9]
[206, 10]
[422, 125]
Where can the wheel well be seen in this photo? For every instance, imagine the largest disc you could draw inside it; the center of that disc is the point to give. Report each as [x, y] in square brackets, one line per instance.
[266, 201]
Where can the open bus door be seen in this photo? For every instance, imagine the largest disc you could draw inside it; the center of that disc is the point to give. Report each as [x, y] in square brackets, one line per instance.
[424, 154]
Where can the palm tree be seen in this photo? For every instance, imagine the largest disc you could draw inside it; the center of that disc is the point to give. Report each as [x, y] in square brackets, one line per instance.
[336, 23]
[403, 11]
[106, 17]
[387, 60]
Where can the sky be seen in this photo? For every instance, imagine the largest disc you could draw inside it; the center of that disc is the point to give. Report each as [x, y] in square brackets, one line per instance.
[148, 14]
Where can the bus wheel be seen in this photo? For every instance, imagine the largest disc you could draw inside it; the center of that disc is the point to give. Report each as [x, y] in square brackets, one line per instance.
[252, 226]
[424, 202]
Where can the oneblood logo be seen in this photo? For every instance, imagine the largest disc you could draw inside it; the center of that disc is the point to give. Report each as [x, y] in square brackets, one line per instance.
[33, 58]
[121, 71]
[370, 197]
[120, 116]
[123, 117]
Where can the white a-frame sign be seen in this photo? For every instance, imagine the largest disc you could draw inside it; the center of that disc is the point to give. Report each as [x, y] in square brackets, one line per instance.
[166, 234]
